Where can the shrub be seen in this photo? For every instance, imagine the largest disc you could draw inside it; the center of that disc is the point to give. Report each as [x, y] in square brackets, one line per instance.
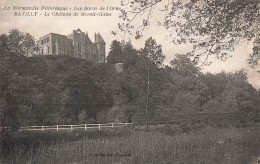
[117, 114]
[102, 117]
[186, 103]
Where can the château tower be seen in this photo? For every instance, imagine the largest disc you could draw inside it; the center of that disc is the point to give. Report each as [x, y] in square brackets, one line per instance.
[101, 47]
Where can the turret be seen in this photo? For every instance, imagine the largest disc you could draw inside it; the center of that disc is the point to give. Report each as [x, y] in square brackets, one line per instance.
[101, 46]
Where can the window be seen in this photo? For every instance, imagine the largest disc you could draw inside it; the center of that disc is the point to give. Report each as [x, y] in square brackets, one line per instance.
[48, 40]
[79, 47]
[54, 49]
[41, 42]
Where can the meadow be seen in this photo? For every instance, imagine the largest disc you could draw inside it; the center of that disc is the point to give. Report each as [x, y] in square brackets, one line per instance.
[162, 144]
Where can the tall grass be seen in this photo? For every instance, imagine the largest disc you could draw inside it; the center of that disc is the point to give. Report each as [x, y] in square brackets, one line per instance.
[225, 146]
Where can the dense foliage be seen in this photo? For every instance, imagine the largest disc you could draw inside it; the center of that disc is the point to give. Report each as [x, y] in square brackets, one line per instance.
[44, 90]
[57, 89]
[153, 92]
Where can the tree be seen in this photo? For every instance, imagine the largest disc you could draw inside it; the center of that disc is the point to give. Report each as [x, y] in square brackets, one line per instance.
[140, 80]
[115, 54]
[233, 92]
[255, 56]
[183, 66]
[186, 76]
[153, 59]
[13, 78]
[28, 44]
[20, 43]
[213, 27]
[228, 100]
[153, 52]
[117, 114]
[129, 57]
[186, 103]
[212, 106]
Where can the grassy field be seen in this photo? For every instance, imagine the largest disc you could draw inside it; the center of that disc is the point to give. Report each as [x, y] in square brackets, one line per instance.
[165, 144]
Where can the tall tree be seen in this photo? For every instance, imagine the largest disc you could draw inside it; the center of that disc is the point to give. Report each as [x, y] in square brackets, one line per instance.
[153, 58]
[20, 43]
[129, 56]
[28, 44]
[115, 54]
[13, 79]
[183, 66]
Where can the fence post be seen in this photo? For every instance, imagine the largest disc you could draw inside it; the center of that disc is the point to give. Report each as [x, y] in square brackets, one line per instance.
[112, 125]
[126, 123]
[85, 126]
[42, 128]
[57, 127]
[71, 127]
[99, 126]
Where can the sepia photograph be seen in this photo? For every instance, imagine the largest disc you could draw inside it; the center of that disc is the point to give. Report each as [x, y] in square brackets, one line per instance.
[130, 82]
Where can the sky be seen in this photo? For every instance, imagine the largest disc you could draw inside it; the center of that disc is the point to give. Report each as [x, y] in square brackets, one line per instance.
[40, 25]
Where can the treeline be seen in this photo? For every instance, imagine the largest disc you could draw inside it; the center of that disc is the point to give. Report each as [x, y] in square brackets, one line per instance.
[152, 92]
[46, 90]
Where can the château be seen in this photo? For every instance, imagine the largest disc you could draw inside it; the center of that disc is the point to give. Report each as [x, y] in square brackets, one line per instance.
[77, 44]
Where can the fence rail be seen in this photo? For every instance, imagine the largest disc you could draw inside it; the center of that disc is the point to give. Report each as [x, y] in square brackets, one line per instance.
[72, 127]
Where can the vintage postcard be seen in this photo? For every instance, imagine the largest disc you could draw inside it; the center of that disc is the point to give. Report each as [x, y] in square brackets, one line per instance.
[130, 81]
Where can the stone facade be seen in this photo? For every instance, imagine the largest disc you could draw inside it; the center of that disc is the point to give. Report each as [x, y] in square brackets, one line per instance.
[76, 45]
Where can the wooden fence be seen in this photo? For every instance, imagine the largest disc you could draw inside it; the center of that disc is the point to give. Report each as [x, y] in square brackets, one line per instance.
[72, 127]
